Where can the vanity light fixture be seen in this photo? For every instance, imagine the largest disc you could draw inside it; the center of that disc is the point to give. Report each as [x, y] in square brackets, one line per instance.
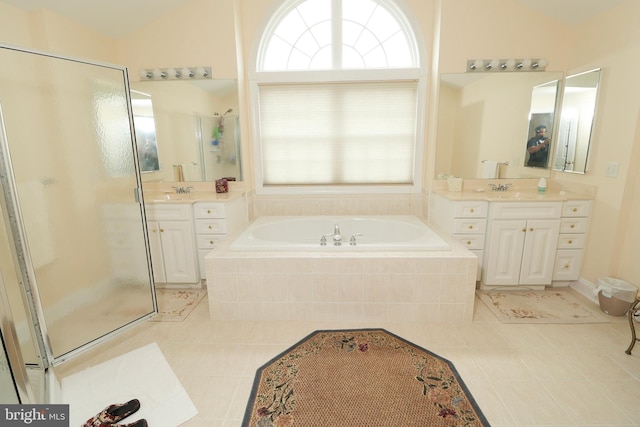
[499, 65]
[176, 73]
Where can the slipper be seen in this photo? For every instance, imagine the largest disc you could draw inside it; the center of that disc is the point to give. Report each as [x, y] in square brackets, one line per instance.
[140, 423]
[113, 413]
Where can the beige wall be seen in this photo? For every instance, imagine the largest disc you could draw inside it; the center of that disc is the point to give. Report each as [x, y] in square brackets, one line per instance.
[203, 33]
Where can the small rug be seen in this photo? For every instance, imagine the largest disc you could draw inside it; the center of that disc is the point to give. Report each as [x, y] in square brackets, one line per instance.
[363, 377]
[142, 374]
[174, 305]
[548, 306]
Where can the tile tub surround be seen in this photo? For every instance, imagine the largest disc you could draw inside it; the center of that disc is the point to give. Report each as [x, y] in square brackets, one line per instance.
[436, 286]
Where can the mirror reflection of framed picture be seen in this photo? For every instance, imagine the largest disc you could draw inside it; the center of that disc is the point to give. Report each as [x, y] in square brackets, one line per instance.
[147, 144]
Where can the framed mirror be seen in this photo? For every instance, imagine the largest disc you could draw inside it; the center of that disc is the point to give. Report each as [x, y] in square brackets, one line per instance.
[576, 121]
[484, 120]
[196, 128]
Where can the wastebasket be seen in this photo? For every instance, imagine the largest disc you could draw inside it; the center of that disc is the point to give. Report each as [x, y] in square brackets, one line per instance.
[615, 296]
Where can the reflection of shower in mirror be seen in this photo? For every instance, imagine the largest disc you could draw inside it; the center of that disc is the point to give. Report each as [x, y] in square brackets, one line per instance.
[218, 144]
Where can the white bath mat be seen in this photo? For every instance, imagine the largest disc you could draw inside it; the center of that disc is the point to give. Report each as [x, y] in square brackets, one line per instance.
[142, 374]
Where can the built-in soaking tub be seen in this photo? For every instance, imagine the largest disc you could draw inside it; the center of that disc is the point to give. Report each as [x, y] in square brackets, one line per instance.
[325, 233]
[280, 268]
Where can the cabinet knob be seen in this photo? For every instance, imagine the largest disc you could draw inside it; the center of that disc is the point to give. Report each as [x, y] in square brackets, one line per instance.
[531, 229]
[471, 210]
[471, 227]
[468, 242]
[575, 210]
[566, 266]
[162, 230]
[524, 230]
[572, 226]
[154, 230]
[210, 227]
[211, 242]
[208, 210]
[570, 242]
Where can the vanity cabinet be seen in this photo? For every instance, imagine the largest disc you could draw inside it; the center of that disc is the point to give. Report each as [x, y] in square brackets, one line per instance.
[571, 243]
[521, 243]
[465, 221]
[214, 222]
[172, 243]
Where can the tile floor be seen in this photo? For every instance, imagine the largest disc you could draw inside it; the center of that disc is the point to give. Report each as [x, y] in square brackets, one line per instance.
[520, 375]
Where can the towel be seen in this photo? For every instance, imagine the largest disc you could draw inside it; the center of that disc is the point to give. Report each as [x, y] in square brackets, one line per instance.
[489, 169]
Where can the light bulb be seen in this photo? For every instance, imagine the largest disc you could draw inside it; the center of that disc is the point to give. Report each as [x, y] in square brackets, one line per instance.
[159, 74]
[145, 74]
[493, 65]
[542, 63]
[510, 64]
[187, 73]
[202, 72]
[526, 64]
[173, 74]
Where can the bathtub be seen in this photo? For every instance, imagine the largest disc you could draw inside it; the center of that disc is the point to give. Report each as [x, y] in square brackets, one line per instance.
[361, 233]
[399, 270]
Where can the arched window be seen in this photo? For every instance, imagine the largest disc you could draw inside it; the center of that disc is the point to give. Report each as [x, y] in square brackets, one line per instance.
[337, 88]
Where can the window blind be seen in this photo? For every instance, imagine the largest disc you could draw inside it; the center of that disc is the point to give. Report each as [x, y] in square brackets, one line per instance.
[338, 133]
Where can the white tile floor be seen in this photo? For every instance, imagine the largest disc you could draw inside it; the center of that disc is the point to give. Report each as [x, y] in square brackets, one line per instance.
[520, 375]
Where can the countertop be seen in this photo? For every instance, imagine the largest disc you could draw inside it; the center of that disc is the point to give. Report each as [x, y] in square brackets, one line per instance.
[193, 197]
[512, 195]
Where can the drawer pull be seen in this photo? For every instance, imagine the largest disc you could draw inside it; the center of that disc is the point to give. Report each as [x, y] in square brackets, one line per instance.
[570, 242]
[575, 210]
[210, 227]
[566, 266]
[471, 210]
[572, 226]
[471, 227]
[211, 242]
[524, 230]
[208, 210]
[468, 242]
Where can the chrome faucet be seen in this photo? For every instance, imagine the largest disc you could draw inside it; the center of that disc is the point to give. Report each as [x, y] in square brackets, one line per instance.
[183, 190]
[337, 237]
[499, 187]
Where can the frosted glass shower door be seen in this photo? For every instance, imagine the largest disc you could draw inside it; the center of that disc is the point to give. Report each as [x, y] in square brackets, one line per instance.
[77, 221]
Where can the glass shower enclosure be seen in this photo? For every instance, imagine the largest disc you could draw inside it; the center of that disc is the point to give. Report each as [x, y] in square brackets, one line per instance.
[73, 243]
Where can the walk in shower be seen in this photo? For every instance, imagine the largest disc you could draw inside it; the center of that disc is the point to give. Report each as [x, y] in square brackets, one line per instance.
[74, 264]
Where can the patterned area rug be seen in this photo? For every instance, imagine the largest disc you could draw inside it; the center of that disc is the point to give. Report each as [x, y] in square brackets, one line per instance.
[548, 306]
[364, 377]
[174, 305]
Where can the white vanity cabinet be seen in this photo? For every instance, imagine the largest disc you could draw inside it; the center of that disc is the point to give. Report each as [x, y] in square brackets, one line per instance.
[172, 244]
[521, 243]
[214, 222]
[571, 243]
[464, 220]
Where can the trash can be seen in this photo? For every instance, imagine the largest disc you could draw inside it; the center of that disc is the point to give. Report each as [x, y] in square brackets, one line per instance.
[615, 296]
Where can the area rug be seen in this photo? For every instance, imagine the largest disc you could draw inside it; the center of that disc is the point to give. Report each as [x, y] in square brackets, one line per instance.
[548, 306]
[142, 374]
[174, 305]
[363, 377]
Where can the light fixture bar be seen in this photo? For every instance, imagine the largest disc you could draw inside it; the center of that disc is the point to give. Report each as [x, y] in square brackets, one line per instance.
[501, 65]
[182, 73]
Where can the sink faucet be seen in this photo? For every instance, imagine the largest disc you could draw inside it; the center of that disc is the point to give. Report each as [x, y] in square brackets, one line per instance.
[183, 190]
[499, 187]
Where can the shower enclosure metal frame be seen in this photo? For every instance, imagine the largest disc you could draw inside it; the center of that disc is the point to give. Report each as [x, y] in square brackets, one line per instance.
[17, 236]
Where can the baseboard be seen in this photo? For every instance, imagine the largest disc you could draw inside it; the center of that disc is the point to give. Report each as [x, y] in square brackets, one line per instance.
[586, 289]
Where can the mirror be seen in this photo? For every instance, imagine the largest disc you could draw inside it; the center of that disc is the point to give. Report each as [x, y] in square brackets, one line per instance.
[145, 130]
[576, 121]
[483, 122]
[196, 129]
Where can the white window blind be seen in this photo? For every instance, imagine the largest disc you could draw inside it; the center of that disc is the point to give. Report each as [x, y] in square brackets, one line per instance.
[338, 133]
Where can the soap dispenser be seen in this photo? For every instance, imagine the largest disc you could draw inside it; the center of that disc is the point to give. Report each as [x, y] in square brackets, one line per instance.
[542, 185]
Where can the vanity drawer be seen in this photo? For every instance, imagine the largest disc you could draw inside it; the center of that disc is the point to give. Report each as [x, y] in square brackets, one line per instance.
[210, 210]
[209, 241]
[525, 210]
[573, 225]
[211, 226]
[168, 212]
[576, 208]
[470, 209]
[571, 241]
[470, 225]
[470, 241]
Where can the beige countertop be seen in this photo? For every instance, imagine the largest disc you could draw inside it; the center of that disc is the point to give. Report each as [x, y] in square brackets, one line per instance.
[512, 195]
[193, 197]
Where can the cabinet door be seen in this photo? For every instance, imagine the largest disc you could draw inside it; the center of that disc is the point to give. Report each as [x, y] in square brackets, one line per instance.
[538, 256]
[504, 252]
[155, 248]
[178, 250]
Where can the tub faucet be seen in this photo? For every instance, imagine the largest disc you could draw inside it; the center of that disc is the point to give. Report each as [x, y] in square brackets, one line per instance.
[337, 237]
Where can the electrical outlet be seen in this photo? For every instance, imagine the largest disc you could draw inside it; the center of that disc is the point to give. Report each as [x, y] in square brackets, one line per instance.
[612, 169]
